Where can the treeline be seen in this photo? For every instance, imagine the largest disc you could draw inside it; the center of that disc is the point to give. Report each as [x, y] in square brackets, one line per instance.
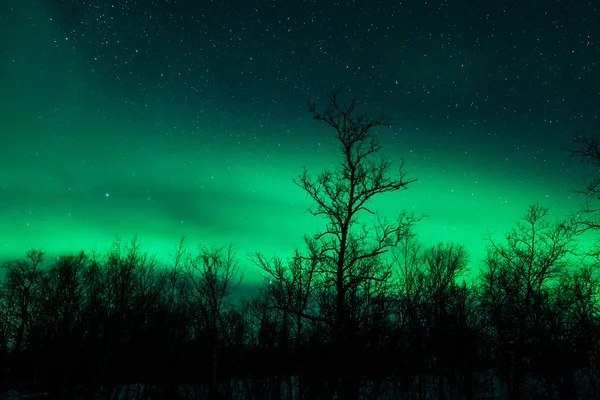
[525, 327]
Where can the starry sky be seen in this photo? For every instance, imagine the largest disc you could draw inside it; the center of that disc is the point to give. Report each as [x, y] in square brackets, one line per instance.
[169, 117]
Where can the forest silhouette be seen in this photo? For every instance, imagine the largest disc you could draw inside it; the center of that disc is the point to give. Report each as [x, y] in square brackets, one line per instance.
[363, 311]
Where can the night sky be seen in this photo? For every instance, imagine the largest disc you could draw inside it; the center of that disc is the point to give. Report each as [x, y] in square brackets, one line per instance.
[168, 117]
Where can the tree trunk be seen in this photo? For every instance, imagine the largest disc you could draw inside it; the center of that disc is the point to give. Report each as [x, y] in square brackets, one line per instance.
[215, 378]
[441, 387]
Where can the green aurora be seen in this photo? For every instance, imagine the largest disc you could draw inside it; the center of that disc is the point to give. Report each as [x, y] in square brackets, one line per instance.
[82, 160]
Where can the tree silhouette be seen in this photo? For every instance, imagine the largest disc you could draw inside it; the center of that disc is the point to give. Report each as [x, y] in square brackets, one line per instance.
[213, 274]
[587, 218]
[23, 283]
[290, 289]
[569, 346]
[408, 346]
[346, 254]
[446, 308]
[60, 326]
[517, 280]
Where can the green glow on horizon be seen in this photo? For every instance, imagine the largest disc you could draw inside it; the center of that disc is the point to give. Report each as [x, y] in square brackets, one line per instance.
[250, 201]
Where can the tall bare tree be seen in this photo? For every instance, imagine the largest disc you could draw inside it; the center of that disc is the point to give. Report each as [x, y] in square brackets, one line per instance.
[348, 247]
[347, 251]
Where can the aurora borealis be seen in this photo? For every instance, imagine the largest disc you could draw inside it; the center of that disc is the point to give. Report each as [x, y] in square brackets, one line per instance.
[161, 118]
